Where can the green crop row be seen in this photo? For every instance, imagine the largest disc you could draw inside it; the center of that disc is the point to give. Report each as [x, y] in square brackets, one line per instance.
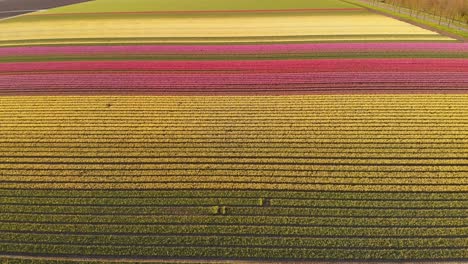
[123, 201]
[395, 204]
[179, 210]
[225, 164]
[206, 171]
[81, 153]
[174, 201]
[361, 212]
[254, 211]
[234, 179]
[308, 55]
[211, 142]
[279, 127]
[227, 219]
[317, 125]
[436, 146]
[266, 230]
[278, 241]
[454, 114]
[463, 162]
[257, 135]
[155, 194]
[238, 186]
[240, 252]
[272, 120]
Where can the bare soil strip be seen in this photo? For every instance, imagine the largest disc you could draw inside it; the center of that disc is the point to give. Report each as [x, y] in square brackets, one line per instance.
[167, 260]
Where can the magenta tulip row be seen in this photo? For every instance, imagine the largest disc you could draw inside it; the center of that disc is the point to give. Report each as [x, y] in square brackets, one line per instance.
[248, 66]
[236, 77]
[461, 48]
[89, 83]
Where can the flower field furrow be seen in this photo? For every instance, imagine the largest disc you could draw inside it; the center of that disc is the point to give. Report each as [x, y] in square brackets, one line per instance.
[302, 153]
[248, 66]
[238, 230]
[235, 172]
[281, 130]
[123, 194]
[435, 146]
[240, 252]
[181, 142]
[240, 165]
[461, 49]
[457, 138]
[236, 241]
[287, 161]
[228, 219]
[299, 114]
[235, 179]
[241, 186]
[245, 135]
[207, 201]
[351, 213]
[261, 131]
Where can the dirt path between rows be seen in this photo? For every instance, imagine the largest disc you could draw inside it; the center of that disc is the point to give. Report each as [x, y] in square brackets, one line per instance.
[201, 260]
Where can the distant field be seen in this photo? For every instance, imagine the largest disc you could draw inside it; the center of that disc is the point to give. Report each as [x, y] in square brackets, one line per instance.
[199, 5]
[119, 22]
[329, 26]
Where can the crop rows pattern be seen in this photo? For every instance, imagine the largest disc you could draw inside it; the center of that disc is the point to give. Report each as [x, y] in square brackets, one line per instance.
[246, 77]
[297, 26]
[216, 130]
[343, 177]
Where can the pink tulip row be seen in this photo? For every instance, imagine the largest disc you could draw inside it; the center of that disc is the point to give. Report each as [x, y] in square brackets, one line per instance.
[248, 66]
[459, 48]
[173, 83]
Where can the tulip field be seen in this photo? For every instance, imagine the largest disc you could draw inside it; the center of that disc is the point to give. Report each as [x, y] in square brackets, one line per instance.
[230, 131]
[209, 22]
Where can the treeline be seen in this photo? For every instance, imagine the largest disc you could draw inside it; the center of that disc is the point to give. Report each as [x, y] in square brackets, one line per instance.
[451, 10]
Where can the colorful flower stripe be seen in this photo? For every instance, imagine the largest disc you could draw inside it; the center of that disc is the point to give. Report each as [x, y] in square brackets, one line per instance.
[321, 65]
[458, 48]
[277, 83]
[237, 77]
[362, 158]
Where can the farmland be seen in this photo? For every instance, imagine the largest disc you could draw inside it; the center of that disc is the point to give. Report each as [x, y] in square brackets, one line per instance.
[317, 76]
[316, 21]
[230, 131]
[307, 177]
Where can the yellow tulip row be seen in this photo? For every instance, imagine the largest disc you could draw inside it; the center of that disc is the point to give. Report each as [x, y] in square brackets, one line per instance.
[211, 29]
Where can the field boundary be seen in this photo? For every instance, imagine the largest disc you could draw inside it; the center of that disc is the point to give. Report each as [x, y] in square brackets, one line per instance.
[203, 260]
[445, 31]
